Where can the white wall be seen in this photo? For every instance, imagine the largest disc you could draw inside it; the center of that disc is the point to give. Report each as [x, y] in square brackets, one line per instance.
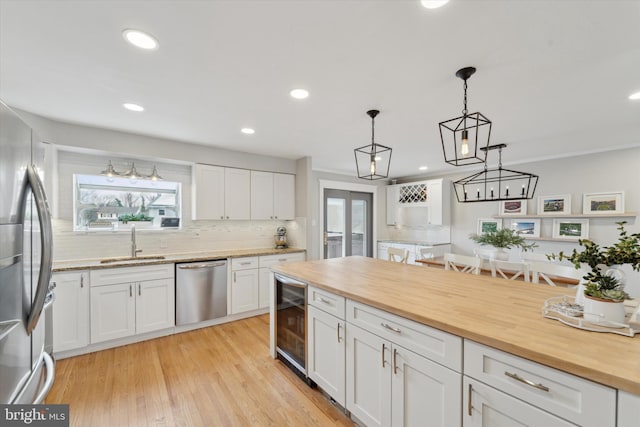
[601, 172]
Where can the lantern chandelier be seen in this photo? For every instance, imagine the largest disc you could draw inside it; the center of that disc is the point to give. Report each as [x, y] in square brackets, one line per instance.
[464, 137]
[498, 184]
[373, 160]
[130, 173]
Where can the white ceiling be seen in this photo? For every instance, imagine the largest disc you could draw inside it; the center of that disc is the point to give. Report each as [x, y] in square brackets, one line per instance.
[553, 76]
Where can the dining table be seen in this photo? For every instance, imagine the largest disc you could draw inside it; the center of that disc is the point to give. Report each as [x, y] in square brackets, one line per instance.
[438, 262]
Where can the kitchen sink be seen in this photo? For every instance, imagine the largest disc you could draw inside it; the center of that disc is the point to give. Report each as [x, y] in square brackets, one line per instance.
[128, 258]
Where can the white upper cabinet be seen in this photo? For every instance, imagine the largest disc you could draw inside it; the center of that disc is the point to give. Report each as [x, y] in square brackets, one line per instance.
[272, 195]
[419, 203]
[208, 192]
[237, 193]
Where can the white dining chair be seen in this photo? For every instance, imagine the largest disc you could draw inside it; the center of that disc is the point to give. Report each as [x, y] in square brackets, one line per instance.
[426, 252]
[484, 253]
[549, 272]
[510, 270]
[398, 255]
[462, 263]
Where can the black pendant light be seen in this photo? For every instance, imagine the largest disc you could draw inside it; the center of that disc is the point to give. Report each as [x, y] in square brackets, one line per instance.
[373, 160]
[463, 137]
[497, 184]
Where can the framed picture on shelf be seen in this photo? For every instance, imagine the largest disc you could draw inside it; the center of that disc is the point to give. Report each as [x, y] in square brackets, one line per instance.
[513, 207]
[554, 205]
[487, 225]
[603, 203]
[527, 228]
[570, 229]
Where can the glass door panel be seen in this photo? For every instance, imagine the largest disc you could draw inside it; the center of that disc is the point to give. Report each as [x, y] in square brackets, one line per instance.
[348, 224]
[335, 231]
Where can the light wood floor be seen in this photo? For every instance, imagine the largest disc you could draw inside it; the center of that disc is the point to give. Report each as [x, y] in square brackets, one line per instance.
[216, 376]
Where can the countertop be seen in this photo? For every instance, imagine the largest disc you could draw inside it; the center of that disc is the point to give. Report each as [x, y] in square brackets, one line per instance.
[499, 313]
[94, 264]
[413, 242]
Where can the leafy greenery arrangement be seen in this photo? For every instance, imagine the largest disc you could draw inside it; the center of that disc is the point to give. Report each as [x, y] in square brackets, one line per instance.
[600, 285]
[135, 217]
[504, 238]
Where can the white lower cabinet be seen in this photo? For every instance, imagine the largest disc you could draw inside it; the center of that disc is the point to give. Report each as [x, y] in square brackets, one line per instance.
[390, 385]
[71, 311]
[539, 388]
[263, 288]
[144, 303]
[244, 290]
[628, 409]
[326, 353]
[488, 407]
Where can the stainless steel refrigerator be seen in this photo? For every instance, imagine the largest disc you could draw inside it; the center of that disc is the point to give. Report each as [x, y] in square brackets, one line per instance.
[26, 369]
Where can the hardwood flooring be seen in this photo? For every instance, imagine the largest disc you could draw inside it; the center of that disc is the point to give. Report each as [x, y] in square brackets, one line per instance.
[216, 376]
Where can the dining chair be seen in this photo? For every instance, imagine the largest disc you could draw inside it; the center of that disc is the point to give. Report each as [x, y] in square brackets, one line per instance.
[484, 253]
[550, 272]
[398, 255]
[462, 263]
[509, 269]
[426, 252]
[533, 256]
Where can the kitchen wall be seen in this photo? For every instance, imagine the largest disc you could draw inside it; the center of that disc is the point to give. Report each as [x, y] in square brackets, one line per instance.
[86, 150]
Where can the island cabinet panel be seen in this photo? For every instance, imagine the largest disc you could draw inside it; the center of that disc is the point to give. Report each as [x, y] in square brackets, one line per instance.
[368, 377]
[580, 401]
[326, 353]
[434, 344]
[628, 409]
[485, 406]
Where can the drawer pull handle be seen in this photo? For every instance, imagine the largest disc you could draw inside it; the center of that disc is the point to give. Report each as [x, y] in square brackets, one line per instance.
[245, 263]
[282, 259]
[324, 300]
[469, 405]
[526, 381]
[391, 328]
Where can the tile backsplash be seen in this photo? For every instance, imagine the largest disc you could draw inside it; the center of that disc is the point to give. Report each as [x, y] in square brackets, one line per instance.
[195, 236]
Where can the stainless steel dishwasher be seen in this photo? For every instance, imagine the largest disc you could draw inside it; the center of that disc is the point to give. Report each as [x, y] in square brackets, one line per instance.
[201, 291]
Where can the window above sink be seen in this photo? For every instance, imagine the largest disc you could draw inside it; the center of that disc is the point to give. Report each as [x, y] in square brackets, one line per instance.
[102, 203]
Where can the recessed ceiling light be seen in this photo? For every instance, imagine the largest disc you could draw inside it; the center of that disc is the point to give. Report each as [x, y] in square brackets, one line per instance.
[433, 4]
[248, 131]
[634, 96]
[140, 39]
[299, 94]
[133, 107]
[423, 168]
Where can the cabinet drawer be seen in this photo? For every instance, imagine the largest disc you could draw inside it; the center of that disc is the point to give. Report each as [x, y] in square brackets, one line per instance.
[112, 276]
[244, 263]
[268, 261]
[436, 345]
[326, 301]
[575, 399]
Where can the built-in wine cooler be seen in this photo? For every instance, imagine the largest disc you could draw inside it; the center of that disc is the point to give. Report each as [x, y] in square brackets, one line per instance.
[291, 323]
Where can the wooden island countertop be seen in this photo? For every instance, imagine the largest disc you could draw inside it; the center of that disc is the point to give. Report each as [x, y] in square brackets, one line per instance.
[499, 313]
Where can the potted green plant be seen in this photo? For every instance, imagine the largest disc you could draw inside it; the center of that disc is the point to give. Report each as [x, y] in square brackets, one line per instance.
[502, 239]
[604, 283]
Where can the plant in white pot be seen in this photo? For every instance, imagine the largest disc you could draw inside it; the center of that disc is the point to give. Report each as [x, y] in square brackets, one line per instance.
[604, 292]
[502, 239]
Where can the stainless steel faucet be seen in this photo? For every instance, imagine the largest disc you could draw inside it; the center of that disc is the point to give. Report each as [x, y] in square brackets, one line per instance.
[134, 250]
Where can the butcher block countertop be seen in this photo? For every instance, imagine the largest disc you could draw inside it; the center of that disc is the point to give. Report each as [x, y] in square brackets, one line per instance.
[94, 264]
[496, 312]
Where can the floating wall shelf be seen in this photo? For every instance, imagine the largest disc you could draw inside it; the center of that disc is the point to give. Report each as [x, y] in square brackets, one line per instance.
[620, 215]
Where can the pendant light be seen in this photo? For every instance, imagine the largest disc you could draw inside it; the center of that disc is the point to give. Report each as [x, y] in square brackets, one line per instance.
[498, 184]
[463, 137]
[373, 160]
[154, 175]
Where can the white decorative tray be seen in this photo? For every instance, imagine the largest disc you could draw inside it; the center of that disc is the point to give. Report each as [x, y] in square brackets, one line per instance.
[564, 309]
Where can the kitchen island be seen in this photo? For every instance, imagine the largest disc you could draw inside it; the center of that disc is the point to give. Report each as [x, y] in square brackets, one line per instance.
[500, 314]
